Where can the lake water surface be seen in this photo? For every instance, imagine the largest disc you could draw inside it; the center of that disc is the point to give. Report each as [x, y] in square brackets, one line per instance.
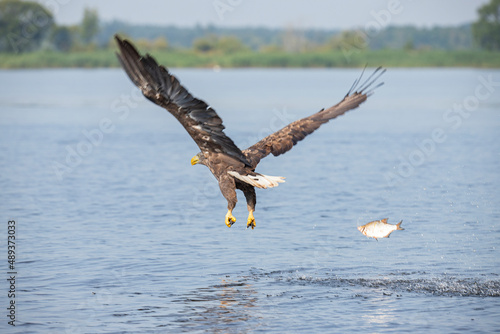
[118, 233]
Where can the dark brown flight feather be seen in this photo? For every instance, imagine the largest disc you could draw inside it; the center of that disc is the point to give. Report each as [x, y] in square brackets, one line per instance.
[162, 88]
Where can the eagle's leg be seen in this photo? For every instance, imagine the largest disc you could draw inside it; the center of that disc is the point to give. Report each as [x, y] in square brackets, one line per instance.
[249, 192]
[228, 188]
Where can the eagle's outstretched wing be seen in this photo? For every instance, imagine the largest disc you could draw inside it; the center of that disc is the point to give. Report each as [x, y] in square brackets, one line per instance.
[283, 140]
[162, 88]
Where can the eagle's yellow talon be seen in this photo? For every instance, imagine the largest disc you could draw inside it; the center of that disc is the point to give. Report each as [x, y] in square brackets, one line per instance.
[251, 220]
[230, 220]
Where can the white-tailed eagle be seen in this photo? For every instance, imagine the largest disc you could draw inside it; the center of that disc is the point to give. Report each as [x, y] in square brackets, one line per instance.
[233, 168]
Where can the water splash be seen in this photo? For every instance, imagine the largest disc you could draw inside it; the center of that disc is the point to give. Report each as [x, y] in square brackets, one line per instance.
[443, 285]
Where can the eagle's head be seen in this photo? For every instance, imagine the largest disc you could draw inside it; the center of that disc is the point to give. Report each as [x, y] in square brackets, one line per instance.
[198, 159]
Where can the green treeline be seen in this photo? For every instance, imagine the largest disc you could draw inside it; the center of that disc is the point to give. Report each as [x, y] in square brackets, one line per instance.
[189, 58]
[29, 38]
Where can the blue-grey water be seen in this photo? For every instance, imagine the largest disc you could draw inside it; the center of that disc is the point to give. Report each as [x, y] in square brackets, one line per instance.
[118, 233]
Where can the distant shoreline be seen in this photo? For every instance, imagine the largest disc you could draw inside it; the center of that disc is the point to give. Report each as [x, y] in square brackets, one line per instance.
[106, 58]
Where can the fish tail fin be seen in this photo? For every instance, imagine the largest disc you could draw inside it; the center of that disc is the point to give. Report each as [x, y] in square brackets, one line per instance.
[398, 225]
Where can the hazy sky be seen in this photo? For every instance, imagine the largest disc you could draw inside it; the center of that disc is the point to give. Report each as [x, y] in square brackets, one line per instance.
[329, 14]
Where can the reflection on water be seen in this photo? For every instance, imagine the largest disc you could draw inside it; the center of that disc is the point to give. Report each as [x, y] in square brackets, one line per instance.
[382, 312]
[220, 307]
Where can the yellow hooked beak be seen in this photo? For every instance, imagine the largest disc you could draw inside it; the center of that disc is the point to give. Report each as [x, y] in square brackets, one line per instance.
[195, 160]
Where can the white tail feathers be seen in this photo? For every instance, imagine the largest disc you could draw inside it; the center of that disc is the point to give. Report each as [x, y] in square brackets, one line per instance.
[259, 180]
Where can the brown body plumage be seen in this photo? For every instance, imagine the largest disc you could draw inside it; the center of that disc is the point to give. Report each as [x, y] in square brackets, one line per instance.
[233, 168]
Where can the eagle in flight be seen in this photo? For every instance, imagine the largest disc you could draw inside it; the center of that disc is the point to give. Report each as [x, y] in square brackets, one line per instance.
[232, 167]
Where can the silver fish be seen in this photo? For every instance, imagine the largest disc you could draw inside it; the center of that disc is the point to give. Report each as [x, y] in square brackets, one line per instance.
[379, 228]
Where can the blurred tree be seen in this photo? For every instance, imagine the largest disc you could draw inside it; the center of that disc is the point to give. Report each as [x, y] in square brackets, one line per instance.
[23, 25]
[348, 40]
[62, 37]
[160, 43]
[224, 44]
[205, 44]
[409, 45]
[89, 28]
[143, 44]
[294, 40]
[270, 48]
[230, 44]
[486, 30]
